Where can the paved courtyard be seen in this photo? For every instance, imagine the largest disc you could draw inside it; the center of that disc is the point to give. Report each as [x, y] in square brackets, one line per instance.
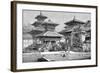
[55, 56]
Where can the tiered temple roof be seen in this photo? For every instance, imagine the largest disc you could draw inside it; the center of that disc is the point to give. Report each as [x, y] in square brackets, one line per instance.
[74, 22]
[70, 25]
[37, 25]
[44, 28]
[37, 30]
[49, 23]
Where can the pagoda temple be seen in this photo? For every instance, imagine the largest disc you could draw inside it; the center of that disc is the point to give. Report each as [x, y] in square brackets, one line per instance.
[74, 33]
[45, 31]
[41, 25]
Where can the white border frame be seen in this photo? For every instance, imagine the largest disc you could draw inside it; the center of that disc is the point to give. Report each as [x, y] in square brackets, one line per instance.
[35, 65]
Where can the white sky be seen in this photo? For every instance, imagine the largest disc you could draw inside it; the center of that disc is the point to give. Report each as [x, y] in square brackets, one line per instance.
[56, 17]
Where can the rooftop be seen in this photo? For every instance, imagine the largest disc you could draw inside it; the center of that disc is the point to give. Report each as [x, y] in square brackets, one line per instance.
[49, 22]
[41, 16]
[49, 34]
[36, 30]
[74, 21]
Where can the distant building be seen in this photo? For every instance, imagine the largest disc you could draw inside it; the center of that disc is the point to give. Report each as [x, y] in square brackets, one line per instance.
[27, 40]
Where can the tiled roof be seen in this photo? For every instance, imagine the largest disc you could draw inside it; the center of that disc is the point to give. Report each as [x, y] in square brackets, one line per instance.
[74, 22]
[44, 23]
[50, 34]
[40, 16]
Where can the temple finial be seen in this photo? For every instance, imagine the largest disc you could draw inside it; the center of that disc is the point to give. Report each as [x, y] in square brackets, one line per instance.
[40, 13]
[74, 18]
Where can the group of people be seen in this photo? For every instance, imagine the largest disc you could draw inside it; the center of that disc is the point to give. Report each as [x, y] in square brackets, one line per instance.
[53, 46]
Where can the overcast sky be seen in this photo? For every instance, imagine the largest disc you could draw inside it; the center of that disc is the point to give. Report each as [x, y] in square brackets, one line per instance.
[56, 17]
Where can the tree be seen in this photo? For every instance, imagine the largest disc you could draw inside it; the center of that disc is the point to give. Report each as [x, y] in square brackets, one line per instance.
[77, 42]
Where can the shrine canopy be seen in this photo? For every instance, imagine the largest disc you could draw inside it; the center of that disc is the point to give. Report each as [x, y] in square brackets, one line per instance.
[49, 34]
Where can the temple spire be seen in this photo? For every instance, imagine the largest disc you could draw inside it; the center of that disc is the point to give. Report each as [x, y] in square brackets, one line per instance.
[40, 13]
[74, 18]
